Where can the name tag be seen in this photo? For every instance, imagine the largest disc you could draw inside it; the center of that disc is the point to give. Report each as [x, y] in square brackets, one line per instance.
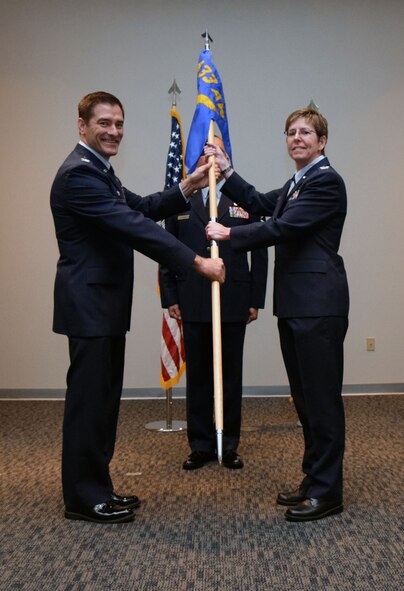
[184, 216]
[238, 212]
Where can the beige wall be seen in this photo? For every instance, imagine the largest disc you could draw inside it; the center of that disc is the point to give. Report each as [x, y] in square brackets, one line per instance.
[273, 56]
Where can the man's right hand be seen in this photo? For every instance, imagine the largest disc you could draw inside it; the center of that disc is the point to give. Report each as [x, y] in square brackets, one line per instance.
[213, 269]
[174, 312]
[197, 180]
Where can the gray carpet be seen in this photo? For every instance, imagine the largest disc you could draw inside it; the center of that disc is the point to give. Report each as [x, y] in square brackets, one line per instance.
[207, 530]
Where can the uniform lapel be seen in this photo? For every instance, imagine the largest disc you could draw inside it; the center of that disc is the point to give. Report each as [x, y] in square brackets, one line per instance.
[203, 212]
[199, 208]
[89, 157]
[223, 207]
[116, 182]
[283, 197]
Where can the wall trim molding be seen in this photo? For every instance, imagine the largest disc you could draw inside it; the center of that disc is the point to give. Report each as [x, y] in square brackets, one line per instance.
[158, 393]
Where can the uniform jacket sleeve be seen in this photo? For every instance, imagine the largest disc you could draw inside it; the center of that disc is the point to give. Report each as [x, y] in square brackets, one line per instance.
[85, 196]
[314, 204]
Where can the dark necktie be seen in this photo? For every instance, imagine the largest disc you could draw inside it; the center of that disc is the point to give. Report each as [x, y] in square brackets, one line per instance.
[292, 184]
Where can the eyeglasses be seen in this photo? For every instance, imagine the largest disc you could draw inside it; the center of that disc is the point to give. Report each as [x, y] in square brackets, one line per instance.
[303, 132]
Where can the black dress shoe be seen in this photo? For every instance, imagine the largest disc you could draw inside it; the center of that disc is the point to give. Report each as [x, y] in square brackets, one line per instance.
[293, 497]
[197, 459]
[101, 513]
[311, 509]
[232, 460]
[131, 502]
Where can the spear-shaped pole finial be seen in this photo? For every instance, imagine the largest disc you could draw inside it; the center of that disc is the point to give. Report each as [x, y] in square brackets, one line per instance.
[208, 39]
[174, 90]
[312, 105]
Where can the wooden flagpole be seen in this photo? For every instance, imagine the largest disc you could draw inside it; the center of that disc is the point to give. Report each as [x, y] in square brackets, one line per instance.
[216, 312]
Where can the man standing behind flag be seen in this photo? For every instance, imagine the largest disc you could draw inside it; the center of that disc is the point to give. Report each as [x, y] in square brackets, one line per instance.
[189, 299]
[192, 300]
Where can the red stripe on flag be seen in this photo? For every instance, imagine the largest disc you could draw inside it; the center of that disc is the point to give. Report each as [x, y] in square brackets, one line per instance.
[170, 342]
[172, 352]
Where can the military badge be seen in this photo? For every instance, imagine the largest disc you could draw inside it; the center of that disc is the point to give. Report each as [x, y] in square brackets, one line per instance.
[238, 212]
[294, 195]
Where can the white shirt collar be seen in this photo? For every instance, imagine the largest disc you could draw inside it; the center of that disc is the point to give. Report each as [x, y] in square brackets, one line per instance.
[205, 191]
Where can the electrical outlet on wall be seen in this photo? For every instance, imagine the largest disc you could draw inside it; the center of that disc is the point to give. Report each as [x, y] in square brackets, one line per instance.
[370, 344]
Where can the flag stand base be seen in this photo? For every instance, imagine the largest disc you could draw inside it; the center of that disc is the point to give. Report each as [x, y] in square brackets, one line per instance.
[168, 426]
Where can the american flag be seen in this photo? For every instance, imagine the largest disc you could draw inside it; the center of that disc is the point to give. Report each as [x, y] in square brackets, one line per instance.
[172, 355]
[175, 156]
[172, 352]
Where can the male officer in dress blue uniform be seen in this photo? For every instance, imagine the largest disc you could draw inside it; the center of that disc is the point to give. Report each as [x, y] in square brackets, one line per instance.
[310, 300]
[189, 298]
[98, 224]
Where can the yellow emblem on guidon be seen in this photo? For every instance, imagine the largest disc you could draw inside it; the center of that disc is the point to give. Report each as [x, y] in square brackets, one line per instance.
[206, 73]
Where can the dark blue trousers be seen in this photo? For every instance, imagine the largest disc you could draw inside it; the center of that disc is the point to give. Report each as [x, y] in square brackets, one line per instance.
[198, 343]
[312, 350]
[94, 387]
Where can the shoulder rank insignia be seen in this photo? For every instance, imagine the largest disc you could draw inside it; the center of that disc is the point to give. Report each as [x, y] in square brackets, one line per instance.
[238, 212]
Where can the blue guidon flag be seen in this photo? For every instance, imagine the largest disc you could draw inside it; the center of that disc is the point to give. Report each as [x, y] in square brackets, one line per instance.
[210, 104]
